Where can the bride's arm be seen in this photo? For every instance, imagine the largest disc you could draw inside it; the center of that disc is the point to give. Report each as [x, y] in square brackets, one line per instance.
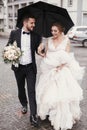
[46, 48]
[68, 46]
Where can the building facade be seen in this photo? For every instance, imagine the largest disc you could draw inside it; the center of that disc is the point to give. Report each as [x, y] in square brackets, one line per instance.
[1, 15]
[77, 10]
[11, 12]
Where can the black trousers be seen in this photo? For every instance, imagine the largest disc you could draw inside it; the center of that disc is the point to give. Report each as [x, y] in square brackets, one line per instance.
[25, 72]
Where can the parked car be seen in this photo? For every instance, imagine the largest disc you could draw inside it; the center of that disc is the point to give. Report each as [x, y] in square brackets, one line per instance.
[78, 33]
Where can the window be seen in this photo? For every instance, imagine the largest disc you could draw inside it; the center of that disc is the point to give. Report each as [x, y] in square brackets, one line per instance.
[0, 9]
[81, 29]
[9, 1]
[70, 3]
[23, 5]
[30, 3]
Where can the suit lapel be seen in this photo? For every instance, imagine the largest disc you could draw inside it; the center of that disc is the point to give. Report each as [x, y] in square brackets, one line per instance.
[18, 37]
[32, 39]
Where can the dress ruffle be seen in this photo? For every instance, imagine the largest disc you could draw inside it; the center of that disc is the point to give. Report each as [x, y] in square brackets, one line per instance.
[58, 94]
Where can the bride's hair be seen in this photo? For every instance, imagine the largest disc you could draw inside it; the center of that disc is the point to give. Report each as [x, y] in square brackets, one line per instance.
[60, 26]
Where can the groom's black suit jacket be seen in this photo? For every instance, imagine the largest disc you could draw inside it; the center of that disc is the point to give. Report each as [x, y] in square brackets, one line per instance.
[35, 40]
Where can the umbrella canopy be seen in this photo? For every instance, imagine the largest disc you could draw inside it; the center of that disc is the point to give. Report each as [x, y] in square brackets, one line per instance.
[45, 14]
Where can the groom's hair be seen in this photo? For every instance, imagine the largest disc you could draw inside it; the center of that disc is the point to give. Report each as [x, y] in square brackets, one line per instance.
[26, 17]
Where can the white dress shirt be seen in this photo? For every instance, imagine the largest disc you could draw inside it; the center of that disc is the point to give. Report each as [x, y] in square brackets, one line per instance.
[26, 48]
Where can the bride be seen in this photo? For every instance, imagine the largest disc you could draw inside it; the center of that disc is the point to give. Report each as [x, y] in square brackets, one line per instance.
[58, 93]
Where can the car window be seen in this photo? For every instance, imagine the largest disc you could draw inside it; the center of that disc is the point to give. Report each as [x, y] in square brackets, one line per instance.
[81, 29]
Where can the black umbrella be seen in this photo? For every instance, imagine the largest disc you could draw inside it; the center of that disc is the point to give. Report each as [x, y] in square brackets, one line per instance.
[46, 14]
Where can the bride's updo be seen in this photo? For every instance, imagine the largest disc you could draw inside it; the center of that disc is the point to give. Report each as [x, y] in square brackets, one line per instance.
[59, 26]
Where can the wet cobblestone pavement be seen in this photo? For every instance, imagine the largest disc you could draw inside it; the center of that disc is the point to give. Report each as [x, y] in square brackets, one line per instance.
[10, 112]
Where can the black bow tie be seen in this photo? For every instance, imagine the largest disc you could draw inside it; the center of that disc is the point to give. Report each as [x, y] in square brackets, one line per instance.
[26, 33]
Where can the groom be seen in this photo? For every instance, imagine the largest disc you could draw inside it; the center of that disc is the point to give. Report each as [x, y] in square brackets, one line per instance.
[28, 41]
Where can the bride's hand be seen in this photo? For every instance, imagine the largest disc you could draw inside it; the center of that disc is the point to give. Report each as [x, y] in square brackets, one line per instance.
[43, 54]
[60, 67]
[57, 68]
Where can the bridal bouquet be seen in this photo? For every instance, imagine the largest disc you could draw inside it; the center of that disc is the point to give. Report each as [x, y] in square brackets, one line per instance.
[12, 53]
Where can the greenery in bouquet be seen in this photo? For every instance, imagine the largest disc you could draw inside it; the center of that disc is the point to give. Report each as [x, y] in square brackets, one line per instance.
[12, 54]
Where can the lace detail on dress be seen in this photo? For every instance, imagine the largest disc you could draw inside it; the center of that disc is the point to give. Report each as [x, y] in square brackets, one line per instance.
[61, 46]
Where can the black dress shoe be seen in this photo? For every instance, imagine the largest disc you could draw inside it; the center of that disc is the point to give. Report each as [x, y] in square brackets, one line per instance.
[24, 110]
[34, 120]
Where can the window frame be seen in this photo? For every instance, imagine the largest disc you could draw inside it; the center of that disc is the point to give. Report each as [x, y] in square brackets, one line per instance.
[70, 3]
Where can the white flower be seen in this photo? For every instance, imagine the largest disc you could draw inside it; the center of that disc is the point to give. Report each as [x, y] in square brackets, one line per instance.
[12, 54]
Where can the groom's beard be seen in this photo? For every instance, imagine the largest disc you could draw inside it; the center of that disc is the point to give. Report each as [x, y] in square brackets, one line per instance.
[30, 28]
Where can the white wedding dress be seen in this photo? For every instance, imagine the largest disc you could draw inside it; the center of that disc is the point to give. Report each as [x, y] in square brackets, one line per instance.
[58, 94]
